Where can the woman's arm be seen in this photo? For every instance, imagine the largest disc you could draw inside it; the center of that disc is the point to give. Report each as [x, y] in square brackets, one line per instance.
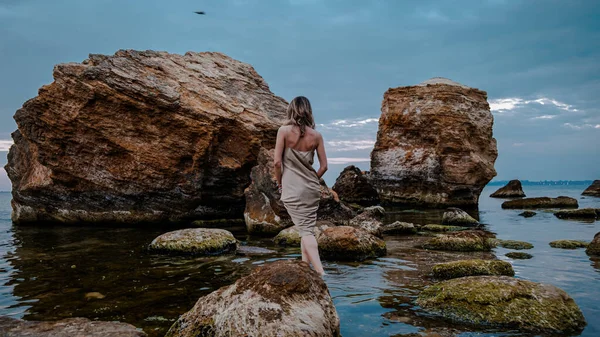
[278, 155]
[322, 157]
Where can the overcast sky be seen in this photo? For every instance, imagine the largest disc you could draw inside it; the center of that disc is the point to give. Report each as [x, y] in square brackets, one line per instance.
[538, 61]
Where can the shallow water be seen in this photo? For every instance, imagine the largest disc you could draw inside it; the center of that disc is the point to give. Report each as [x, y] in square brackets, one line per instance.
[107, 274]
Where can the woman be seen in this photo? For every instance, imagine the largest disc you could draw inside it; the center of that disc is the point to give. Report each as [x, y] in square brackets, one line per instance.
[299, 184]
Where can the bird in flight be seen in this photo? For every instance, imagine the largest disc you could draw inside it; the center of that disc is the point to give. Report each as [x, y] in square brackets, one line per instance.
[200, 12]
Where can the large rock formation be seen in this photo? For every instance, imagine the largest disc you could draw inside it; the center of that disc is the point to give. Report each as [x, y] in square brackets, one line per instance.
[284, 298]
[353, 186]
[434, 145]
[10, 327]
[513, 189]
[266, 214]
[593, 190]
[141, 136]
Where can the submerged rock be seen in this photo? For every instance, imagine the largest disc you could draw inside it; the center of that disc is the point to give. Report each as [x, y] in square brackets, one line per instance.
[434, 145]
[369, 220]
[10, 327]
[352, 186]
[543, 202]
[568, 244]
[458, 217]
[399, 227]
[443, 228]
[594, 247]
[505, 302]
[463, 268]
[465, 241]
[141, 136]
[251, 250]
[593, 190]
[283, 298]
[514, 244]
[201, 241]
[512, 190]
[527, 214]
[583, 214]
[345, 243]
[519, 255]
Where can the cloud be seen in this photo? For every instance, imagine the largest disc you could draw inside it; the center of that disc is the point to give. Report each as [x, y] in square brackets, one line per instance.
[344, 160]
[518, 144]
[581, 126]
[544, 117]
[512, 103]
[349, 123]
[351, 145]
[5, 145]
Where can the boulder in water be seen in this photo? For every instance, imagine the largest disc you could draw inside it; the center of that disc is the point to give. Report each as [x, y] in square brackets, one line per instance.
[543, 202]
[569, 244]
[593, 190]
[512, 190]
[10, 327]
[399, 227]
[527, 214]
[464, 241]
[283, 298]
[434, 145]
[457, 217]
[504, 301]
[518, 255]
[345, 243]
[442, 228]
[579, 214]
[593, 248]
[463, 268]
[200, 241]
[352, 186]
[290, 237]
[514, 244]
[369, 220]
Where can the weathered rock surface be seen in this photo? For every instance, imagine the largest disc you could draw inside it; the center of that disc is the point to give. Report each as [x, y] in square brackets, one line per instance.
[442, 228]
[265, 214]
[457, 217]
[201, 241]
[352, 186]
[593, 190]
[434, 145]
[582, 214]
[369, 220]
[463, 268]
[568, 244]
[594, 247]
[284, 298]
[399, 227]
[464, 241]
[518, 255]
[512, 190]
[141, 136]
[504, 301]
[290, 237]
[10, 327]
[345, 243]
[542, 202]
[252, 250]
[527, 214]
[514, 244]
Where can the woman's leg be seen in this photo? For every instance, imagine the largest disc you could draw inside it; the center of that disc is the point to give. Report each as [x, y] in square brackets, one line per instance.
[304, 254]
[311, 249]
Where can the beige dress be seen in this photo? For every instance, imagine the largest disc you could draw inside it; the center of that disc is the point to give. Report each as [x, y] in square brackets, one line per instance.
[301, 190]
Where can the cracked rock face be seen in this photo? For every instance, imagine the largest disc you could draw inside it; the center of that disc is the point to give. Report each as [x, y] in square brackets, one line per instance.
[434, 145]
[141, 136]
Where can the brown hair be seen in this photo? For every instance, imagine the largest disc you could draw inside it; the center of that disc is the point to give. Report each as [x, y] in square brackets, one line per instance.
[299, 113]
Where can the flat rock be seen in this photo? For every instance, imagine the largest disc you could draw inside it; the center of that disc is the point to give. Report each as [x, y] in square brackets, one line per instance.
[200, 241]
[512, 190]
[10, 327]
[251, 250]
[457, 217]
[518, 255]
[399, 227]
[542, 202]
[283, 298]
[514, 244]
[593, 248]
[504, 302]
[569, 244]
[527, 214]
[463, 268]
[464, 241]
[353, 186]
[345, 243]
[434, 147]
[442, 228]
[582, 213]
[593, 190]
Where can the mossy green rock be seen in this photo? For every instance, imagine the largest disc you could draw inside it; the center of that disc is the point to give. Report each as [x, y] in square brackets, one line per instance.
[594, 247]
[289, 237]
[513, 244]
[464, 241]
[399, 227]
[519, 255]
[345, 243]
[443, 228]
[568, 244]
[462, 268]
[505, 302]
[542, 202]
[201, 241]
[583, 214]
[457, 217]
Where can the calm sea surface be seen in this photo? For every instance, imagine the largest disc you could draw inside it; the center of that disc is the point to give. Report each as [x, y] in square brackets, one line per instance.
[50, 273]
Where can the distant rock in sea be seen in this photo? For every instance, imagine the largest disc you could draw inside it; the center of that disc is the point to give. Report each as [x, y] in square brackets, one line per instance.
[434, 145]
[353, 186]
[541, 202]
[141, 136]
[593, 190]
[512, 190]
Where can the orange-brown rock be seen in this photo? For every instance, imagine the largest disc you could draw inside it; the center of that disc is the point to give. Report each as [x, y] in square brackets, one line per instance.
[434, 145]
[265, 213]
[345, 243]
[141, 136]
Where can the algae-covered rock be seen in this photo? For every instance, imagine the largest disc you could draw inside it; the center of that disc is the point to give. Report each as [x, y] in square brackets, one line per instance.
[513, 244]
[464, 241]
[11, 327]
[594, 247]
[583, 214]
[527, 214]
[252, 250]
[512, 190]
[283, 298]
[542, 202]
[290, 237]
[399, 227]
[345, 243]
[369, 220]
[201, 241]
[443, 228]
[463, 268]
[504, 301]
[568, 244]
[457, 217]
[518, 255]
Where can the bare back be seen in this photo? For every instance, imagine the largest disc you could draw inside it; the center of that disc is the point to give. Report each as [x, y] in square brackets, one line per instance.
[308, 142]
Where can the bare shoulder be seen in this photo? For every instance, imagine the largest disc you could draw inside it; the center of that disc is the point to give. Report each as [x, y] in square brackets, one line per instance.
[284, 129]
